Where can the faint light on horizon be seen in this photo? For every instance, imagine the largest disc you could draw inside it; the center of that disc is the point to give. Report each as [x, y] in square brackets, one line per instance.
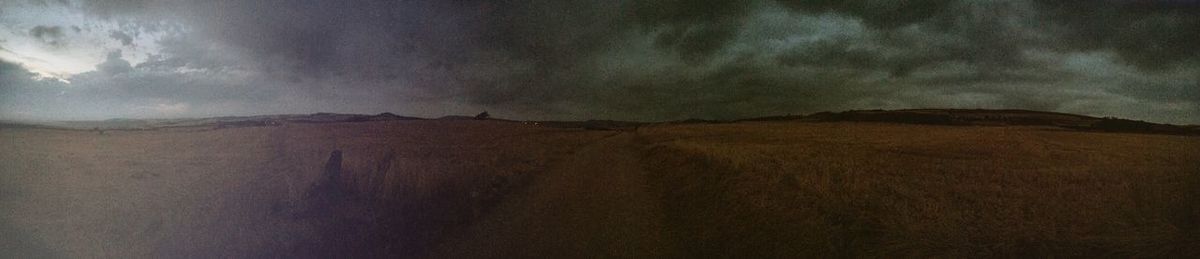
[49, 66]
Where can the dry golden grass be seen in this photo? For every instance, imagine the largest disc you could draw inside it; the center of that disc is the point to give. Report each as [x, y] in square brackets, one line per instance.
[872, 190]
[747, 190]
[232, 192]
[430, 178]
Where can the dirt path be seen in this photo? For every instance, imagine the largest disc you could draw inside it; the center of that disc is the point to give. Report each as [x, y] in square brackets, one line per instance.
[594, 204]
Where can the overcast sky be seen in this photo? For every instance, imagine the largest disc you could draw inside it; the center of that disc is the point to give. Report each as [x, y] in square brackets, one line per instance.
[601, 59]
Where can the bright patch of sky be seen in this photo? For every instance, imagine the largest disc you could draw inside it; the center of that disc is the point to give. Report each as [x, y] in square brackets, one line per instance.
[58, 42]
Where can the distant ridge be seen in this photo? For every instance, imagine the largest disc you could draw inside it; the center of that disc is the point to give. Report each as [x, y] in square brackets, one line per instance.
[961, 117]
[982, 117]
[214, 122]
[20, 125]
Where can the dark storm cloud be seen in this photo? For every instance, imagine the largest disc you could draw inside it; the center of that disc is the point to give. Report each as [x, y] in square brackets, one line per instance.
[124, 8]
[830, 53]
[46, 32]
[50, 35]
[877, 13]
[922, 33]
[19, 89]
[125, 39]
[12, 71]
[693, 29]
[1149, 34]
[489, 53]
[114, 64]
[674, 59]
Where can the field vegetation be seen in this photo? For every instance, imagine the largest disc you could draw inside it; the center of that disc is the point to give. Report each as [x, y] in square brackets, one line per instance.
[238, 192]
[391, 186]
[874, 189]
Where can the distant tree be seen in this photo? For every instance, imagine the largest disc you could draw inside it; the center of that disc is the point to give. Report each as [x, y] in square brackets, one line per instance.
[483, 116]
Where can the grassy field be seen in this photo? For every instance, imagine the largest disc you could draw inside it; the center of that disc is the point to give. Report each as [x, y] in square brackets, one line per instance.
[466, 188]
[875, 190]
[241, 192]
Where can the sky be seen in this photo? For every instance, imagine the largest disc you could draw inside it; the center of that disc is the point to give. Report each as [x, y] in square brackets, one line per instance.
[596, 59]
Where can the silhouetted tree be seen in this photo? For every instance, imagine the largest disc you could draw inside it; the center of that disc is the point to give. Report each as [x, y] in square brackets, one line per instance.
[483, 116]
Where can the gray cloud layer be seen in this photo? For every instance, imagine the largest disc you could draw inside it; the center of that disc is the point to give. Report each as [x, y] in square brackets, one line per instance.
[649, 60]
[50, 35]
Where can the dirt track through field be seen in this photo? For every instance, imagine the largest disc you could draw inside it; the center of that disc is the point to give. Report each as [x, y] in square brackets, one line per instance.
[594, 204]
